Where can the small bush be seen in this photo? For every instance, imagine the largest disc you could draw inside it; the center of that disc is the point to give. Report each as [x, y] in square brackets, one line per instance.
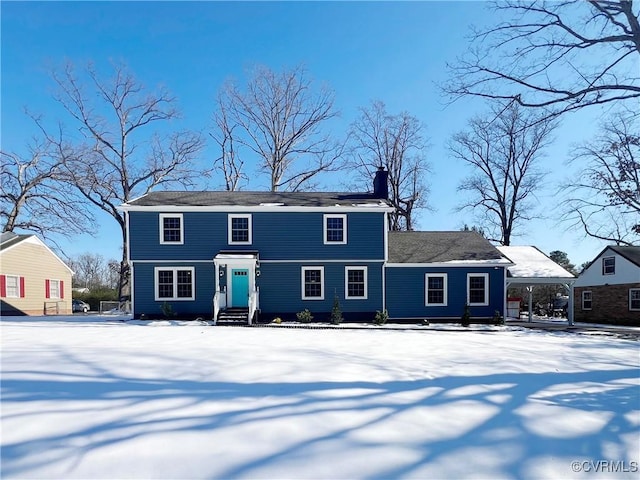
[167, 310]
[277, 320]
[336, 311]
[465, 319]
[381, 317]
[497, 318]
[304, 316]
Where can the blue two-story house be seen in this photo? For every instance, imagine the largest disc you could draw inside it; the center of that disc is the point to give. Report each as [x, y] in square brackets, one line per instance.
[240, 256]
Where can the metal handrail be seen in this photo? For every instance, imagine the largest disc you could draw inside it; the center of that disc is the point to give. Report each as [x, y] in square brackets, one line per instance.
[216, 306]
[254, 302]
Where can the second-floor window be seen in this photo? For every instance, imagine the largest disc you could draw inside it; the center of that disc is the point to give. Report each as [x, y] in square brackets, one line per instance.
[171, 231]
[609, 265]
[240, 229]
[335, 229]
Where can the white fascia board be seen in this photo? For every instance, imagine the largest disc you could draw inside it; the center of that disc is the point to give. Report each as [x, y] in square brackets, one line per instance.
[350, 262]
[540, 280]
[35, 240]
[463, 263]
[253, 208]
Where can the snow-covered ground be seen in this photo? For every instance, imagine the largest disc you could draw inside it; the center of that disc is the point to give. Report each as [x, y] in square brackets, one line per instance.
[93, 397]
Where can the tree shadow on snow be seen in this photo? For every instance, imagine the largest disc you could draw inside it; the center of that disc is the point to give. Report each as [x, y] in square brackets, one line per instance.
[515, 408]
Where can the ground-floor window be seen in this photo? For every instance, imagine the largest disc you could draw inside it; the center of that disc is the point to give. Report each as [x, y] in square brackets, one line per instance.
[12, 286]
[313, 283]
[587, 300]
[54, 288]
[435, 289]
[478, 289]
[174, 283]
[356, 283]
[634, 299]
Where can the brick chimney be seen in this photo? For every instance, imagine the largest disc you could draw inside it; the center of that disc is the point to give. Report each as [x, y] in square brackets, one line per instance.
[380, 184]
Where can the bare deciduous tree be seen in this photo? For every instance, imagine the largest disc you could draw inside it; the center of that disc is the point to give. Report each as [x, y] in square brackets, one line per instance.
[92, 271]
[503, 149]
[35, 194]
[604, 201]
[280, 117]
[397, 143]
[563, 55]
[229, 162]
[119, 155]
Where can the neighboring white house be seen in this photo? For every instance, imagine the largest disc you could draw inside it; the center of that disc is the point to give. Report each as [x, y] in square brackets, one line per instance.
[608, 290]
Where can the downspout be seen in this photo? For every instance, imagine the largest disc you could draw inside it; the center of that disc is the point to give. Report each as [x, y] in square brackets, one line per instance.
[386, 259]
[505, 294]
[132, 291]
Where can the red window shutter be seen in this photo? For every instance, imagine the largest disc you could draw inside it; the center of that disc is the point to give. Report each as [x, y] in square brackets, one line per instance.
[46, 289]
[22, 294]
[61, 289]
[3, 286]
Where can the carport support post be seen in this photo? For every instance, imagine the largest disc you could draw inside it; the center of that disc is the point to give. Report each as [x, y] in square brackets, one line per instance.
[569, 287]
[530, 290]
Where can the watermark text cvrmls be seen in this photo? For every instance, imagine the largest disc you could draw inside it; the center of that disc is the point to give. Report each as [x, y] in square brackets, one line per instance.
[605, 466]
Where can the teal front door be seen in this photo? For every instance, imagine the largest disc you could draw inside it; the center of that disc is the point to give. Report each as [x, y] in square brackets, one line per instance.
[240, 287]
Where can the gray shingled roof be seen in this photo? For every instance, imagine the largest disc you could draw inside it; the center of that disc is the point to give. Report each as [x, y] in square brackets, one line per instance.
[8, 239]
[212, 198]
[630, 253]
[436, 247]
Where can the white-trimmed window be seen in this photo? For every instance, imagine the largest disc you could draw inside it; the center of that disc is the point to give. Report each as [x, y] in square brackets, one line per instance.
[355, 283]
[435, 289]
[171, 229]
[335, 229]
[478, 289]
[634, 299]
[175, 283]
[54, 288]
[609, 265]
[587, 300]
[12, 286]
[240, 229]
[313, 283]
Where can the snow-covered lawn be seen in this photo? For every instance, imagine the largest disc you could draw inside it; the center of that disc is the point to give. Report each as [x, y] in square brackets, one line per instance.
[91, 397]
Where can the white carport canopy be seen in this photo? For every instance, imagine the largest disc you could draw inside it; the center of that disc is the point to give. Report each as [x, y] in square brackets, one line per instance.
[532, 267]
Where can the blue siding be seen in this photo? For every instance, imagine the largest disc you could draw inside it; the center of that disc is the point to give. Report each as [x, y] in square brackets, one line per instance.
[144, 295]
[405, 287]
[276, 235]
[281, 290]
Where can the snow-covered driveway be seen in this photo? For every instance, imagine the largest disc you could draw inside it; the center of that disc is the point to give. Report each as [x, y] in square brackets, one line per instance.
[86, 397]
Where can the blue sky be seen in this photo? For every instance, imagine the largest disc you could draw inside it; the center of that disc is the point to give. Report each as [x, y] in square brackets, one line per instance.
[390, 51]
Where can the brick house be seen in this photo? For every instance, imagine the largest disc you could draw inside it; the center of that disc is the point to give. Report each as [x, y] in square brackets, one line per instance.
[608, 290]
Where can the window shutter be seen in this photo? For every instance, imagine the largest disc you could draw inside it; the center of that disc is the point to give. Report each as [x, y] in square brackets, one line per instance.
[61, 289]
[46, 289]
[22, 294]
[3, 286]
